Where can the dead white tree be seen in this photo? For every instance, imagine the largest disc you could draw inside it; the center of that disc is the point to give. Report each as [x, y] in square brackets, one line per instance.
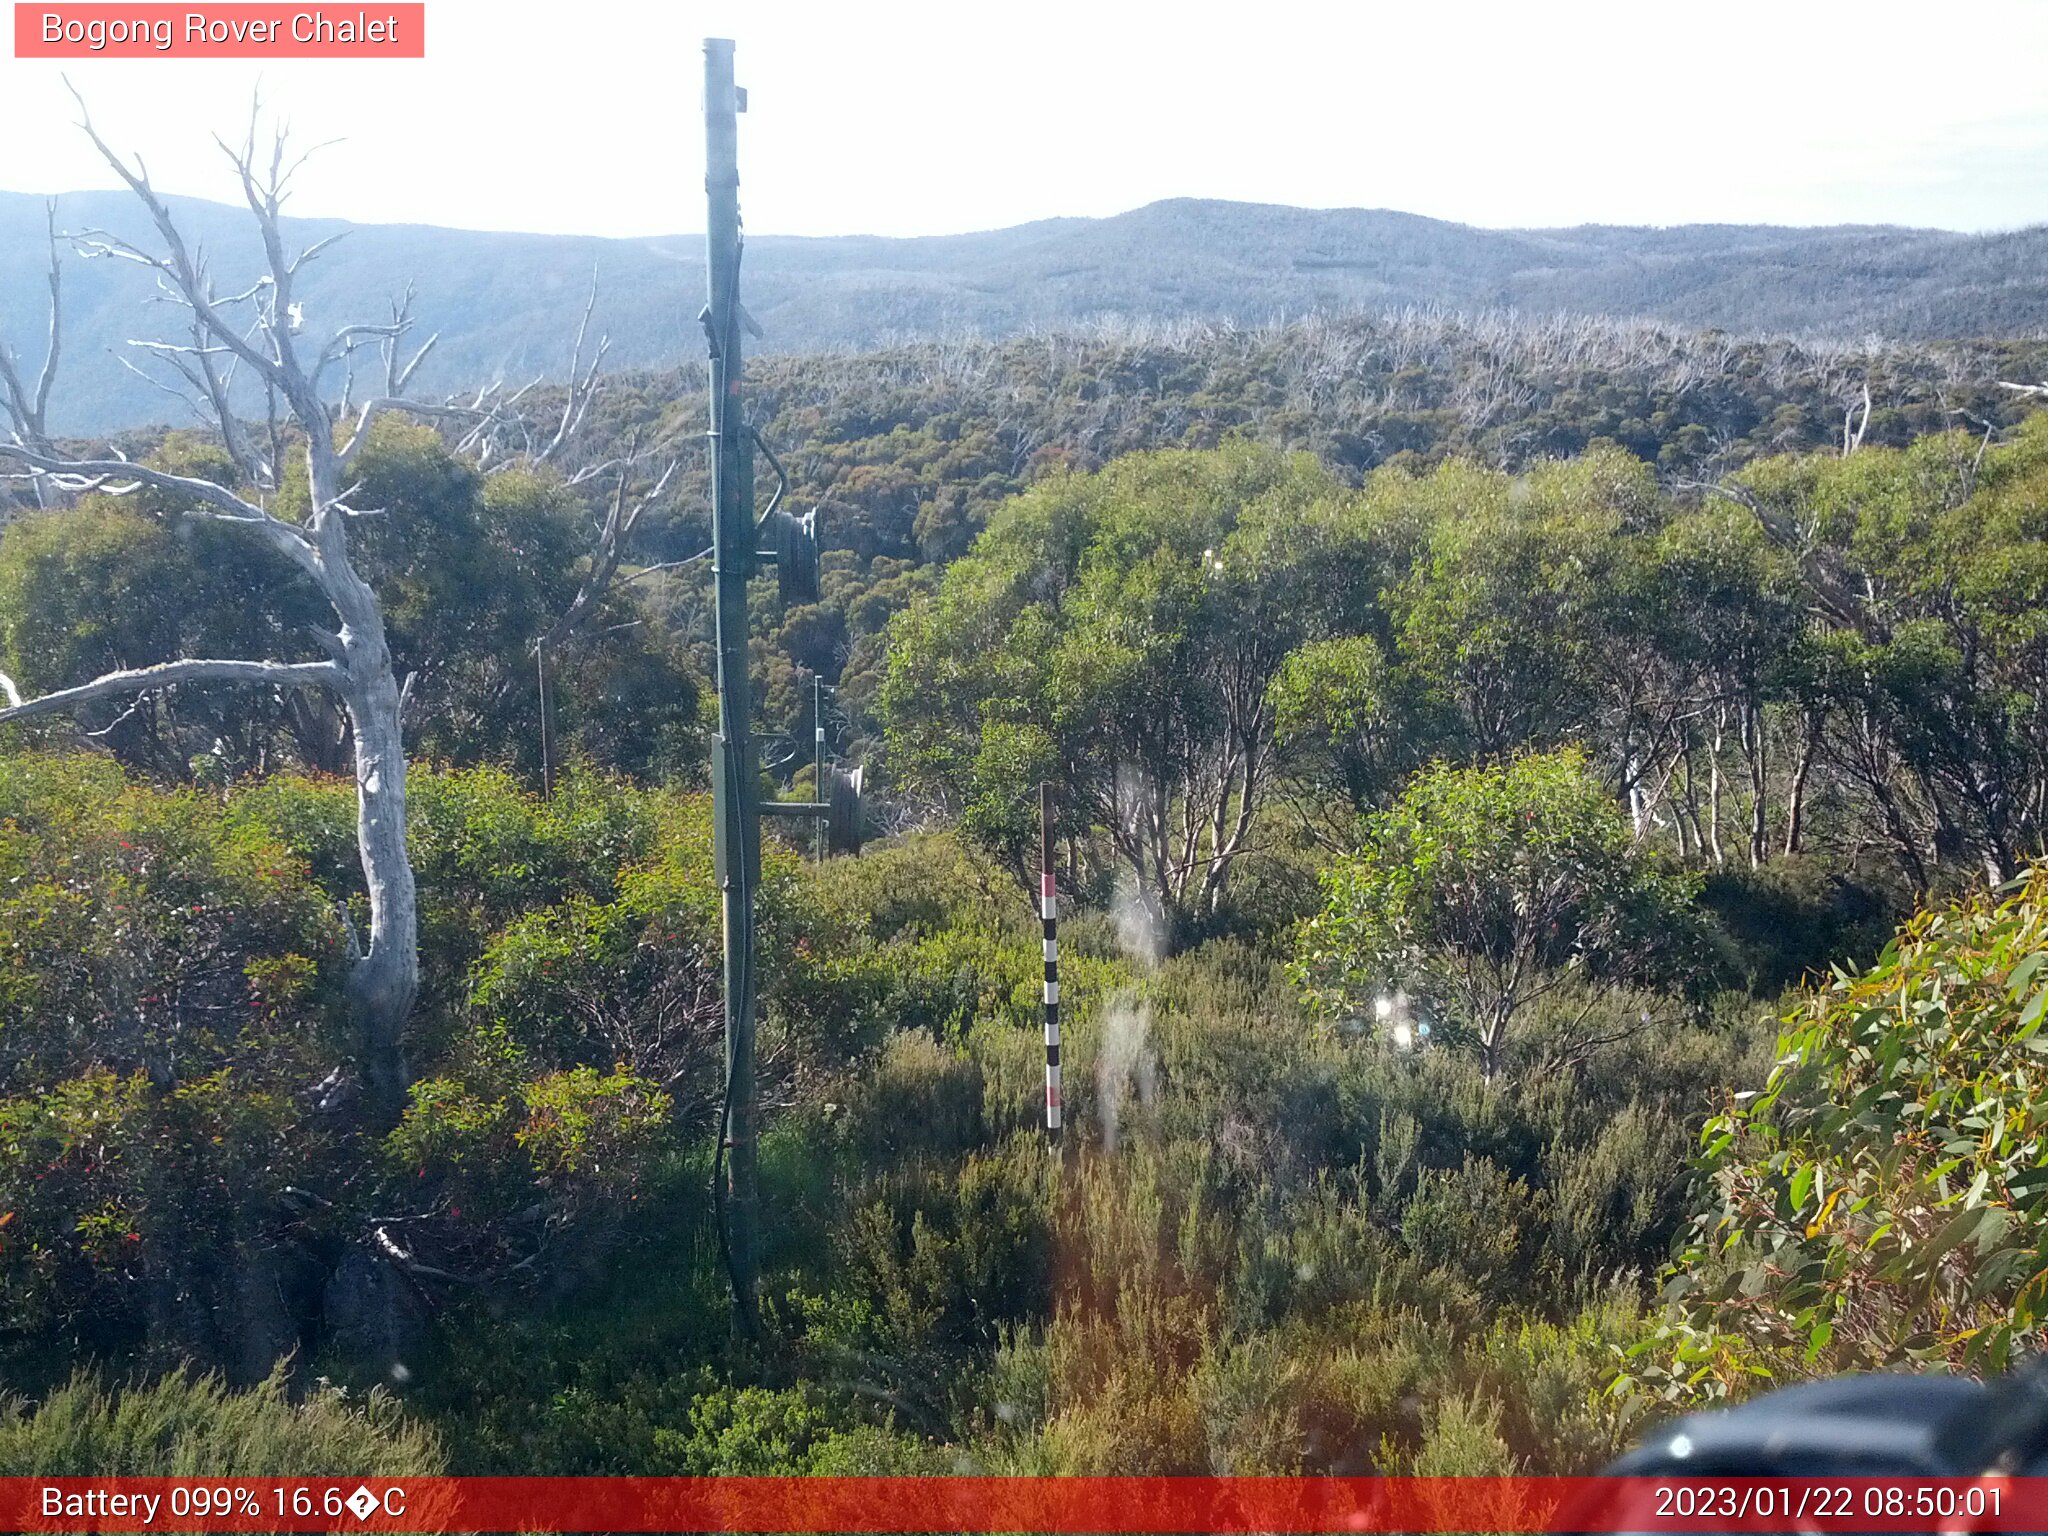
[27, 406]
[1854, 422]
[622, 515]
[257, 332]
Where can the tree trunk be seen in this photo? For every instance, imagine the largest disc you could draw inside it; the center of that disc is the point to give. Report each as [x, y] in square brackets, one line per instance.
[1795, 800]
[384, 980]
[547, 763]
[1901, 836]
[1689, 808]
[1493, 1043]
[1759, 781]
[1714, 796]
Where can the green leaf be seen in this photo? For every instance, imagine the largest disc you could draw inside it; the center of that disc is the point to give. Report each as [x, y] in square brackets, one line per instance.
[1802, 1182]
[1958, 1230]
[2036, 1010]
[1818, 1340]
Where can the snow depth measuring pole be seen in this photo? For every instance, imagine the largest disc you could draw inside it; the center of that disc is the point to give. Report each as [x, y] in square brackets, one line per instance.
[1049, 915]
[740, 547]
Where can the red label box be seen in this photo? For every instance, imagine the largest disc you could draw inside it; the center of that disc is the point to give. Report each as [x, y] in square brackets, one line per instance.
[377, 30]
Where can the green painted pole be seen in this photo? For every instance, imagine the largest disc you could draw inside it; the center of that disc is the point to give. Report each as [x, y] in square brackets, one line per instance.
[734, 778]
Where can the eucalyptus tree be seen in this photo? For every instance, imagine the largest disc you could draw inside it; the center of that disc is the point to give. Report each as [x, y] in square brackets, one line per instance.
[1719, 609]
[1119, 633]
[1508, 609]
[1923, 573]
[1485, 895]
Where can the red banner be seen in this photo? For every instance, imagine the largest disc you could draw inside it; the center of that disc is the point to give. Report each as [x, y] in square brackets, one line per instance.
[224, 31]
[1052, 1504]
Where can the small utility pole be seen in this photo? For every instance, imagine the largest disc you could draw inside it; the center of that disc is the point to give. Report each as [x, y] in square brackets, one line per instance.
[547, 753]
[1049, 916]
[818, 757]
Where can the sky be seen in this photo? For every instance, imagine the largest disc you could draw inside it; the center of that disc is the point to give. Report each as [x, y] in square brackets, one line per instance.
[900, 117]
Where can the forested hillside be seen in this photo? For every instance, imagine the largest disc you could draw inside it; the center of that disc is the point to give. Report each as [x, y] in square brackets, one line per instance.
[1487, 757]
[907, 452]
[504, 305]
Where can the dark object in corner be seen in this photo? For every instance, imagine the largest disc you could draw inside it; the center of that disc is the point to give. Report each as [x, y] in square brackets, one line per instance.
[1853, 1426]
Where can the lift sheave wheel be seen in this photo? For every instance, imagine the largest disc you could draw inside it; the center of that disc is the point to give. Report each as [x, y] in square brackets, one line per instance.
[845, 816]
[795, 542]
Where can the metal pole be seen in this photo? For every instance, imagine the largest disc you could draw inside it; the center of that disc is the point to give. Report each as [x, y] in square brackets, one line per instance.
[735, 788]
[818, 758]
[547, 764]
[1049, 915]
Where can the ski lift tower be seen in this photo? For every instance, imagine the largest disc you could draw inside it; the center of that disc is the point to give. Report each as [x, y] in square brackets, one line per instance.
[742, 545]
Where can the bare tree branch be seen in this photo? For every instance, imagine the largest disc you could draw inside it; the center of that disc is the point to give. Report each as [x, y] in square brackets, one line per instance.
[191, 403]
[403, 377]
[283, 674]
[179, 264]
[345, 457]
[582, 381]
[28, 409]
[619, 522]
[1853, 425]
[118, 476]
[667, 565]
[48, 376]
[313, 251]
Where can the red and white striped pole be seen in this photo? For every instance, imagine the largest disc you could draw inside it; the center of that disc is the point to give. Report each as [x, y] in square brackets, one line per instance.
[1049, 915]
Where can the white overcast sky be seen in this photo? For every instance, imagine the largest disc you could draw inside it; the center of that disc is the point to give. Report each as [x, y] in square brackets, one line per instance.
[874, 116]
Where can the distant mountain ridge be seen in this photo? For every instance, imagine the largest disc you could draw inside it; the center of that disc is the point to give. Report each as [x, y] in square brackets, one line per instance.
[506, 305]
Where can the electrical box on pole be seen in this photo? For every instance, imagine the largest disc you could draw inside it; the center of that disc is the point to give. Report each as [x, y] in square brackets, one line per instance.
[741, 545]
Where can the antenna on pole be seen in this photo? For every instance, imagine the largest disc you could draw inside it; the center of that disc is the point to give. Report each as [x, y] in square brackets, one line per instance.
[737, 553]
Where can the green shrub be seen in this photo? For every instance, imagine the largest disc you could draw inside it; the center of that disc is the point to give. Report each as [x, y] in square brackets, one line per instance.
[194, 1426]
[749, 1432]
[575, 1147]
[134, 1213]
[1474, 1221]
[927, 934]
[133, 918]
[1481, 893]
[1249, 1396]
[917, 1098]
[1614, 1204]
[1463, 1440]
